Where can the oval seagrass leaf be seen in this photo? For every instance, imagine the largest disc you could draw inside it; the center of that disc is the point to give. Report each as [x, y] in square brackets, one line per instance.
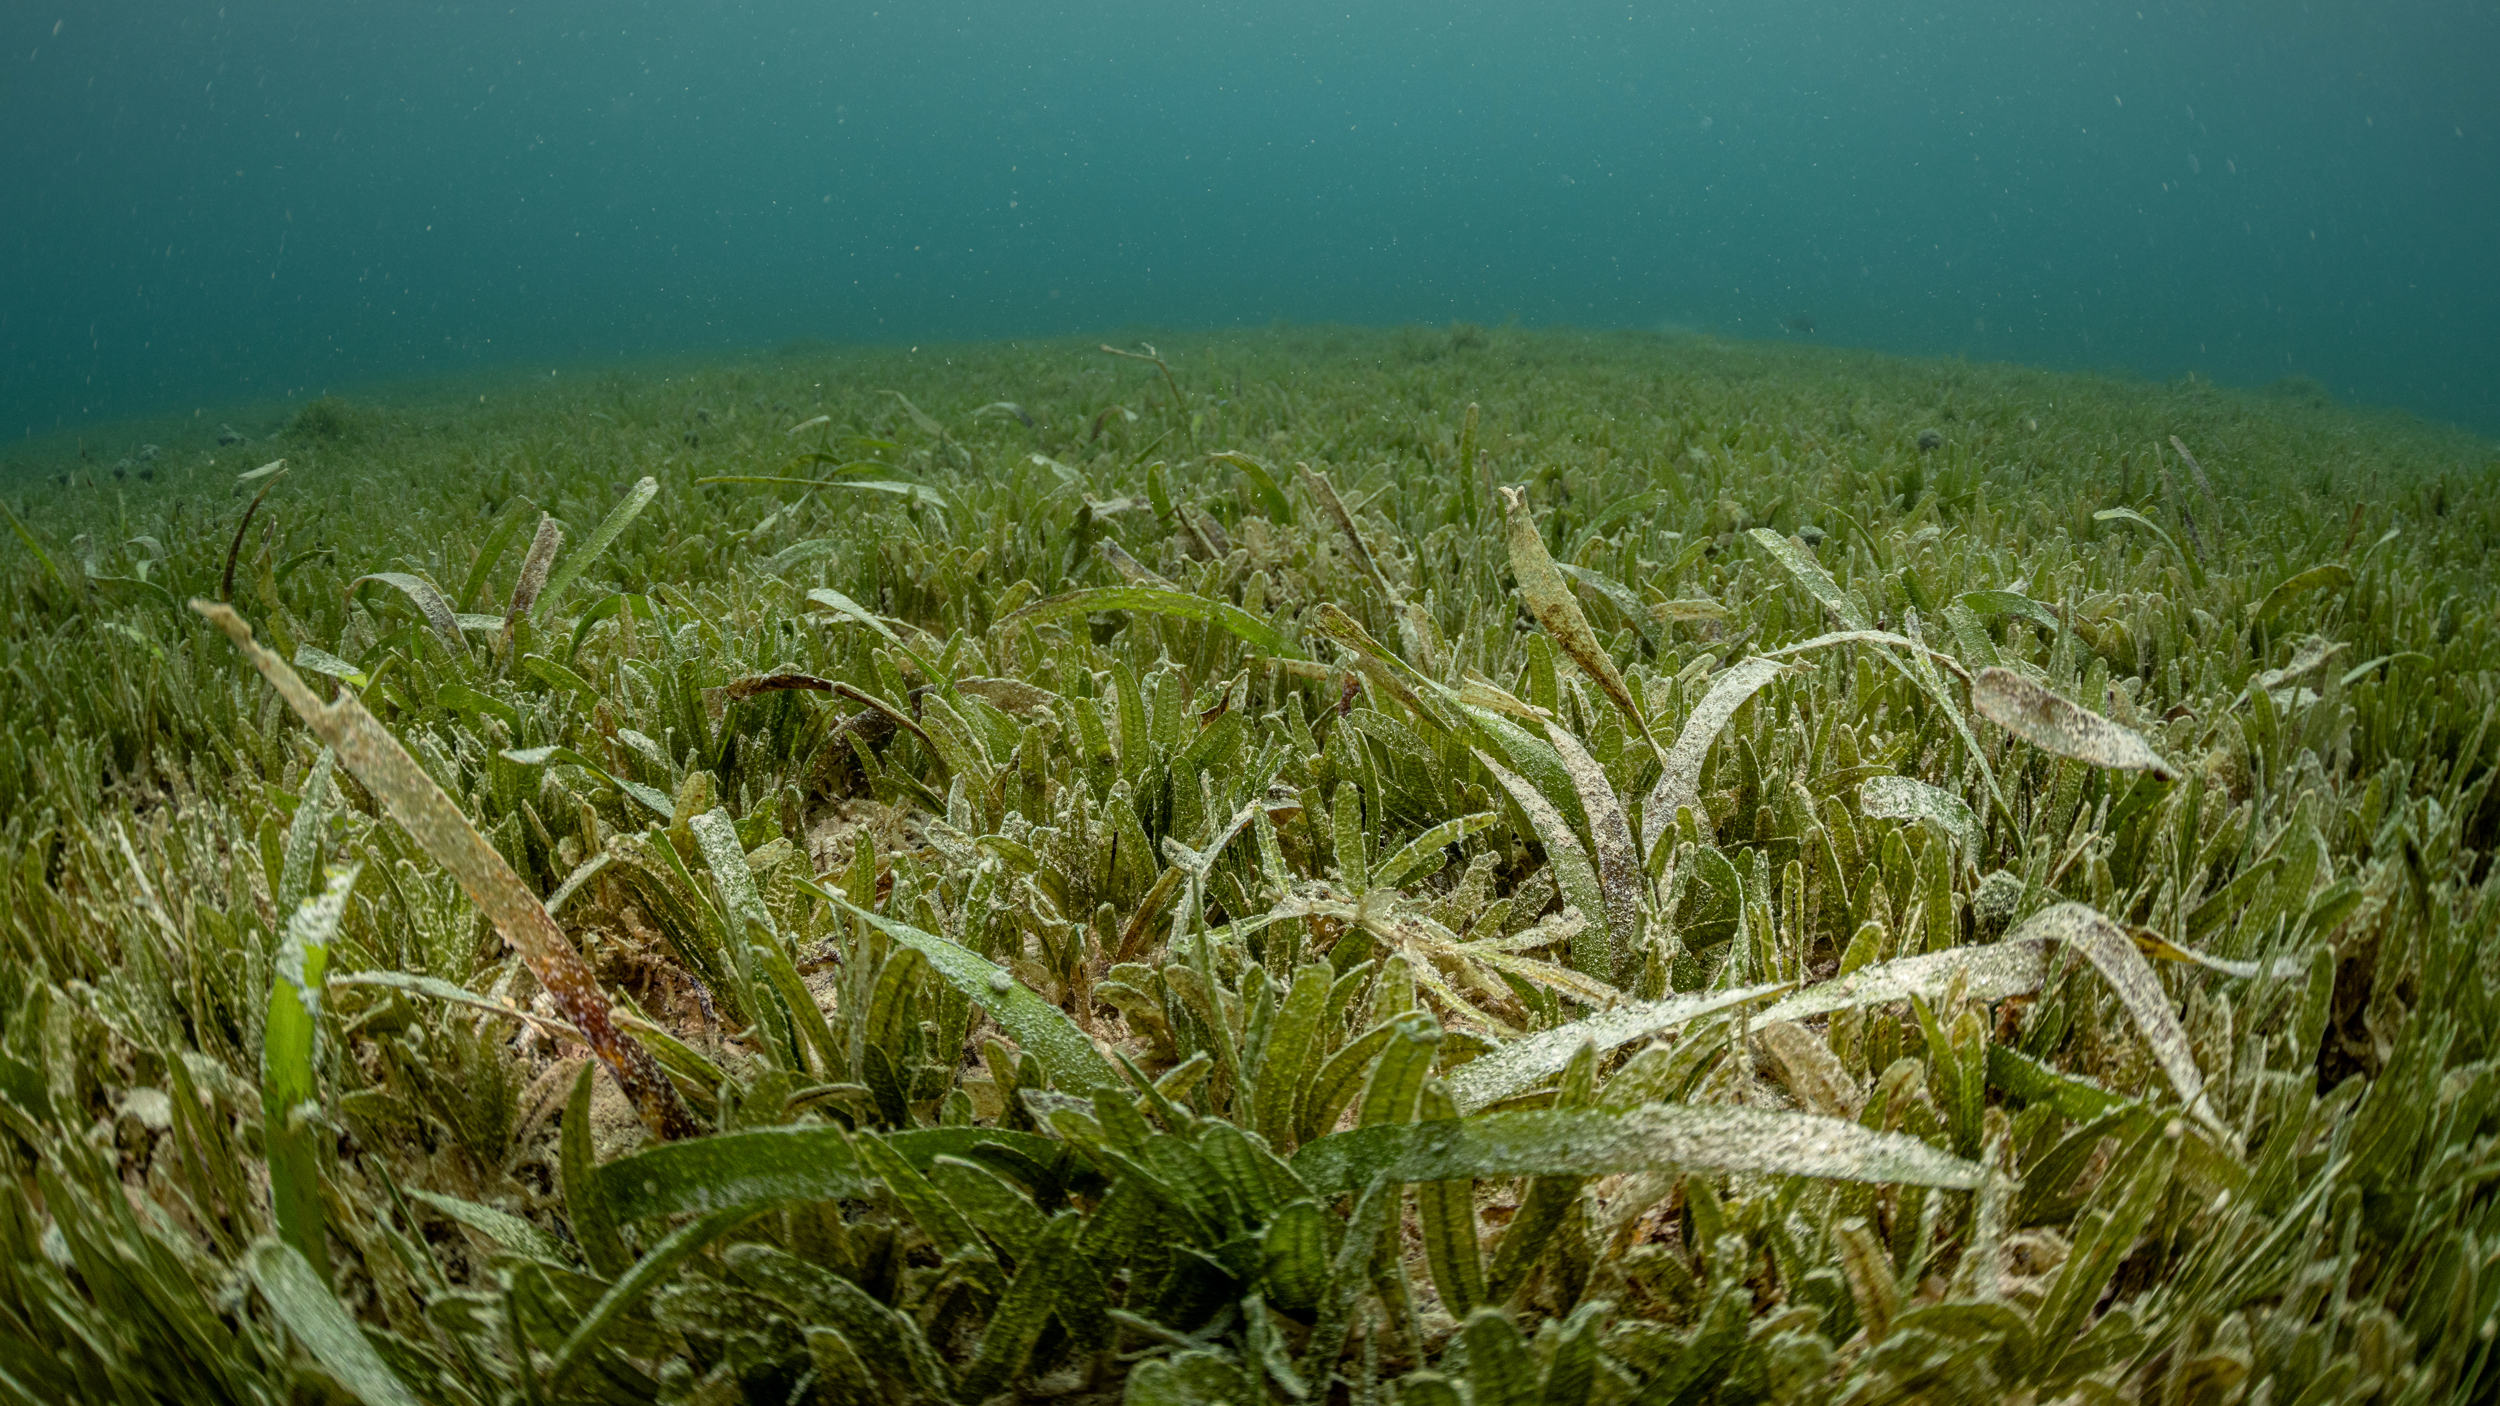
[762, 1167]
[2055, 724]
[315, 1317]
[1680, 784]
[504, 1228]
[651, 798]
[1809, 574]
[2195, 569]
[1902, 798]
[2115, 956]
[1179, 605]
[1522, 1064]
[1659, 1136]
[1042, 1029]
[1550, 601]
[429, 602]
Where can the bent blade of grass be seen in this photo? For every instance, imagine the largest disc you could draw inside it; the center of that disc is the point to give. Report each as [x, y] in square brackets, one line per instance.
[1263, 485]
[1550, 601]
[850, 609]
[2195, 569]
[1993, 604]
[1422, 856]
[1617, 595]
[1042, 1029]
[618, 519]
[1618, 861]
[650, 798]
[799, 552]
[918, 492]
[411, 797]
[1520, 1065]
[417, 984]
[439, 616]
[2108, 948]
[301, 1298]
[1904, 798]
[1882, 637]
[2013, 967]
[1811, 577]
[1593, 953]
[1660, 1136]
[2333, 575]
[287, 1082]
[660, 1261]
[1325, 494]
[1179, 605]
[2060, 726]
[322, 661]
[1679, 786]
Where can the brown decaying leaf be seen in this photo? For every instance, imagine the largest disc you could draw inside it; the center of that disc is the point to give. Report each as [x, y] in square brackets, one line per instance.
[409, 796]
[2055, 724]
[533, 577]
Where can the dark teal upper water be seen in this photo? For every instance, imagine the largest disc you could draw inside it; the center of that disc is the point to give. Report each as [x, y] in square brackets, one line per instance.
[209, 202]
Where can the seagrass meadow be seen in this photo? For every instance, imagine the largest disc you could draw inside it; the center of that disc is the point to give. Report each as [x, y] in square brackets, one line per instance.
[1432, 866]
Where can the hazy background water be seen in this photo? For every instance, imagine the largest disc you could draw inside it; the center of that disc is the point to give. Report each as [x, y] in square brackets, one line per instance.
[203, 203]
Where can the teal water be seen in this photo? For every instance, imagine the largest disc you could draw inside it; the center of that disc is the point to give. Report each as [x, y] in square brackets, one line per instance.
[206, 203]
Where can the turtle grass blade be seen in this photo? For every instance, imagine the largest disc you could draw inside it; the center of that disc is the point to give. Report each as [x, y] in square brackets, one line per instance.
[1679, 785]
[650, 798]
[532, 582]
[2333, 576]
[1905, 798]
[1042, 1029]
[2108, 948]
[618, 519]
[288, 1059]
[411, 797]
[1573, 871]
[655, 1265]
[1810, 575]
[1549, 599]
[2058, 725]
[1179, 605]
[300, 1296]
[439, 616]
[1520, 1065]
[917, 492]
[2194, 567]
[1659, 1136]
